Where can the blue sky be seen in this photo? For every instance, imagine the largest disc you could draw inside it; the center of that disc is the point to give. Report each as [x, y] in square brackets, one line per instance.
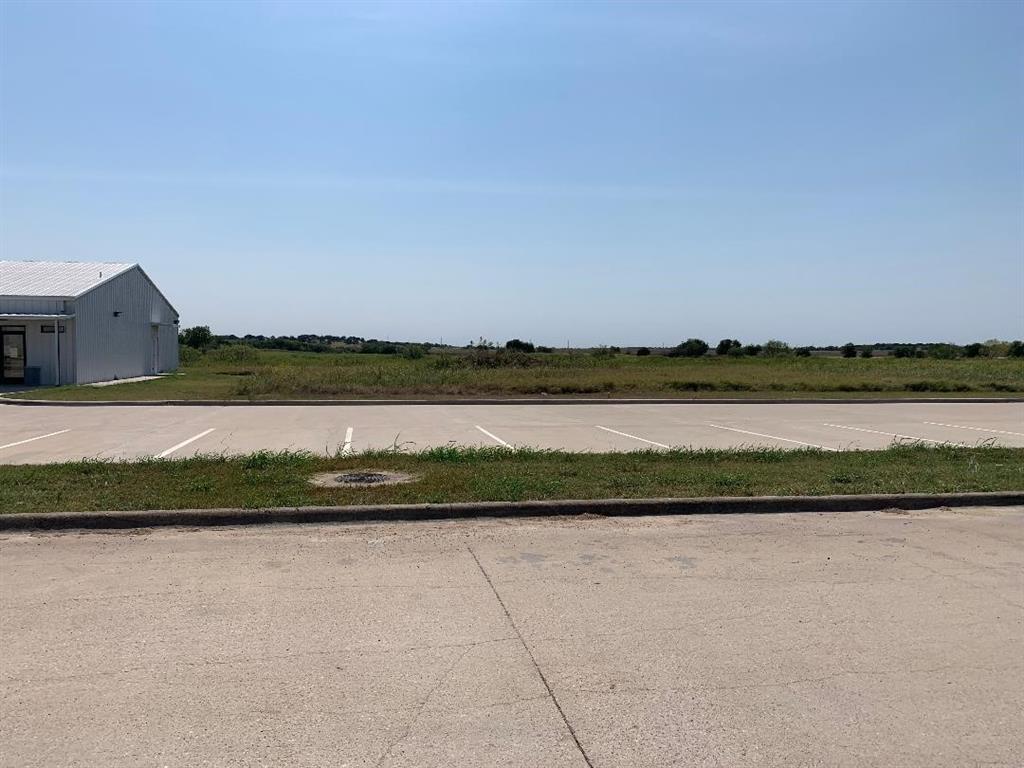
[620, 173]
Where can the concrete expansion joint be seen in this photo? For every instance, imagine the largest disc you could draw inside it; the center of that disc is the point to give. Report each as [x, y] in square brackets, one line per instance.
[533, 660]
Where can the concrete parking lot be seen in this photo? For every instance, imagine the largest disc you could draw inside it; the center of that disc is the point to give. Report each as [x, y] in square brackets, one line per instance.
[855, 639]
[39, 434]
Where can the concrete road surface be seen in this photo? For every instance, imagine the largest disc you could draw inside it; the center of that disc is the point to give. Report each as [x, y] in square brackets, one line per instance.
[35, 434]
[863, 639]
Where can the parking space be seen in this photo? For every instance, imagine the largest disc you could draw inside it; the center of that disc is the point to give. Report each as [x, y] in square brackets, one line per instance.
[44, 434]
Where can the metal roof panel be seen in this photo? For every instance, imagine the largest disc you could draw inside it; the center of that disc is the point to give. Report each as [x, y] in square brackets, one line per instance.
[62, 279]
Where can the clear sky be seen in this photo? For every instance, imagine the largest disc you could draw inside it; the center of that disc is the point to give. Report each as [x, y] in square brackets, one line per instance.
[621, 173]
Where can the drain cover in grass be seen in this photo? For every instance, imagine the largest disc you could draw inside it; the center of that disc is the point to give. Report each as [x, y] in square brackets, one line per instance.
[363, 478]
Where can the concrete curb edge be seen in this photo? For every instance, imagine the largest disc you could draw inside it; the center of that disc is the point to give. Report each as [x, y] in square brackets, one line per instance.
[50, 521]
[521, 401]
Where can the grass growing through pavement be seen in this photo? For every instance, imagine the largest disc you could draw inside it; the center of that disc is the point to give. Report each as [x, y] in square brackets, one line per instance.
[260, 374]
[495, 474]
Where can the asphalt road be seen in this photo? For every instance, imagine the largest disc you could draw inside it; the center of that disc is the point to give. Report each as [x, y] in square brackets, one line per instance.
[855, 639]
[39, 434]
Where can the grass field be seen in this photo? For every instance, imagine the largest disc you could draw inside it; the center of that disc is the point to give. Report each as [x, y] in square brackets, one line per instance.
[450, 475]
[250, 374]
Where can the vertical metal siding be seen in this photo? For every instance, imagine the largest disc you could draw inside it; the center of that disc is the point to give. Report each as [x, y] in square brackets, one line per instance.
[39, 351]
[31, 306]
[109, 347]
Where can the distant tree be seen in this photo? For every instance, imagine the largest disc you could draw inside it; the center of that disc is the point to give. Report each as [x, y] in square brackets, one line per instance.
[867, 352]
[944, 351]
[376, 347]
[848, 350]
[519, 346]
[691, 348]
[197, 337]
[997, 348]
[776, 348]
[546, 350]
[975, 350]
[725, 345]
[752, 350]
[1016, 349]
[802, 351]
[643, 352]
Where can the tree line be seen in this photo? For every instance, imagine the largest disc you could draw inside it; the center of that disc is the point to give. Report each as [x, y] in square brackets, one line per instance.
[200, 337]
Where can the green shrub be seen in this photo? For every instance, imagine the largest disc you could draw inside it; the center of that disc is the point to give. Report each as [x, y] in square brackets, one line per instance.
[518, 345]
[374, 347]
[1016, 349]
[848, 350]
[725, 346]
[802, 351]
[643, 352]
[776, 348]
[188, 355]
[692, 386]
[752, 350]
[197, 337]
[691, 348]
[944, 351]
[866, 352]
[234, 353]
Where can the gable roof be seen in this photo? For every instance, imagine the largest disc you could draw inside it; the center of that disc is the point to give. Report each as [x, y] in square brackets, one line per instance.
[59, 279]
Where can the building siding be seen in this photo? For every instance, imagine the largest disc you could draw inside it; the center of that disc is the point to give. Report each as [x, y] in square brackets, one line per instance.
[109, 347]
[31, 305]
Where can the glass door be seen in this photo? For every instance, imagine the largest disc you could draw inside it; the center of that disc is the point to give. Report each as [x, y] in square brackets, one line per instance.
[12, 345]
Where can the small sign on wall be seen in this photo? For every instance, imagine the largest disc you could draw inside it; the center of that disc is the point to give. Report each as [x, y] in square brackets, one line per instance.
[49, 328]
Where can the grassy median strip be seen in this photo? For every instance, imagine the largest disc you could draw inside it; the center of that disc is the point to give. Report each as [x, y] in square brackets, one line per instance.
[247, 374]
[494, 474]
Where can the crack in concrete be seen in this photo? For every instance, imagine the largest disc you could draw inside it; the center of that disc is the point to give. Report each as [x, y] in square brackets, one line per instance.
[423, 705]
[536, 666]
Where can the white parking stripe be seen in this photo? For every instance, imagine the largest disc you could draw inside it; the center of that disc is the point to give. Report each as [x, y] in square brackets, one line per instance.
[976, 429]
[773, 437]
[634, 437]
[183, 443]
[495, 438]
[893, 434]
[346, 449]
[30, 439]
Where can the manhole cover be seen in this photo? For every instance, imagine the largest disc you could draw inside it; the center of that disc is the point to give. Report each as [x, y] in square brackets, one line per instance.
[360, 479]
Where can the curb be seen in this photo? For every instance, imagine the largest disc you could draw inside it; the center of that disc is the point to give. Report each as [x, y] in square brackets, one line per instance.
[523, 401]
[380, 513]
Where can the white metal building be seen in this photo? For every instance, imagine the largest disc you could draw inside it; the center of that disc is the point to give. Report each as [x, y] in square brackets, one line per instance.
[75, 322]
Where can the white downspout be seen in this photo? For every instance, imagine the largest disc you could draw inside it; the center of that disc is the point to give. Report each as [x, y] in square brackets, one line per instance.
[56, 350]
